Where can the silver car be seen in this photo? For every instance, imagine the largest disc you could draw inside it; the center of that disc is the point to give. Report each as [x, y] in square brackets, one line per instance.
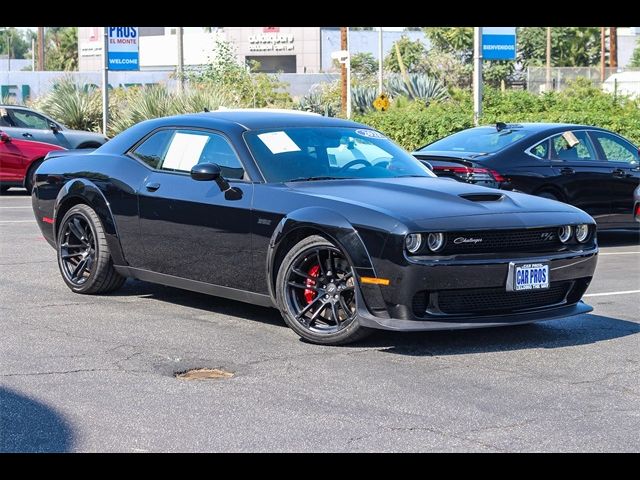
[26, 124]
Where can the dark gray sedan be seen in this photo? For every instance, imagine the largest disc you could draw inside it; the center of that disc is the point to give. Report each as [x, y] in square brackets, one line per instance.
[26, 124]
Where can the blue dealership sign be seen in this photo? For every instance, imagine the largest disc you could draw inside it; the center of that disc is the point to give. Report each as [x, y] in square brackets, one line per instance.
[123, 48]
[499, 43]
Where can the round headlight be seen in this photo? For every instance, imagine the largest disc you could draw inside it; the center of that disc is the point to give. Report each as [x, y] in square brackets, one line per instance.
[582, 233]
[435, 241]
[564, 233]
[413, 242]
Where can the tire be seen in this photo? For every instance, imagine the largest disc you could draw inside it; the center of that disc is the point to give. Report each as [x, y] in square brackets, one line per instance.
[30, 176]
[309, 298]
[549, 195]
[81, 231]
[4, 189]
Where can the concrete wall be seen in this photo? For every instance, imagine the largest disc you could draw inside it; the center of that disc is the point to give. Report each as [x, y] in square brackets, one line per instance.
[363, 41]
[16, 64]
[21, 85]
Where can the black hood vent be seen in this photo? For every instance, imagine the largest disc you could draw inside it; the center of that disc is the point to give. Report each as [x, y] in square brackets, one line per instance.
[482, 197]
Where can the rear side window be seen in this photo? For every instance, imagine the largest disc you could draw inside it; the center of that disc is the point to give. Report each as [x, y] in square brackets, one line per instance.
[562, 149]
[541, 150]
[25, 119]
[154, 148]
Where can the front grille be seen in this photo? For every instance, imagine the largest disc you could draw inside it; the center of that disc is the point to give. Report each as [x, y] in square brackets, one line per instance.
[530, 240]
[488, 300]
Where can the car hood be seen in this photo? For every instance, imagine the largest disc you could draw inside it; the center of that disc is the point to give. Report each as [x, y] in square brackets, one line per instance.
[432, 202]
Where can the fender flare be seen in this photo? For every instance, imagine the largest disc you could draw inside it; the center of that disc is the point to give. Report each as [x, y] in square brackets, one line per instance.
[331, 224]
[88, 192]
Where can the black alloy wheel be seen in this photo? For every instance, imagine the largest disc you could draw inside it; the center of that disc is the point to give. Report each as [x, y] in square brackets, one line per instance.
[84, 257]
[77, 249]
[316, 290]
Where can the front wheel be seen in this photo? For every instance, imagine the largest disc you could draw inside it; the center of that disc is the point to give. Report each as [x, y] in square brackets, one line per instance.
[83, 253]
[316, 293]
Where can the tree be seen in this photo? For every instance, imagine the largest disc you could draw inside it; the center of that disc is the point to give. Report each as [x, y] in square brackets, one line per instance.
[413, 56]
[454, 40]
[635, 58]
[570, 46]
[363, 64]
[61, 48]
[20, 42]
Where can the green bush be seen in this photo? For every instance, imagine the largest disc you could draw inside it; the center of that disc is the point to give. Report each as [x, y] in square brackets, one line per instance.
[415, 125]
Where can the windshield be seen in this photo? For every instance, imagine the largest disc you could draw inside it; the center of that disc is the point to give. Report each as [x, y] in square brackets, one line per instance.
[477, 140]
[304, 153]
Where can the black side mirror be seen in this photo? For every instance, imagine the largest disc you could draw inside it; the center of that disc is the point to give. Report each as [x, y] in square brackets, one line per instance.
[211, 171]
[206, 172]
[54, 127]
[4, 137]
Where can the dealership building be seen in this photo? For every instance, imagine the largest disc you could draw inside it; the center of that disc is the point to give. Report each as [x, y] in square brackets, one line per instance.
[276, 49]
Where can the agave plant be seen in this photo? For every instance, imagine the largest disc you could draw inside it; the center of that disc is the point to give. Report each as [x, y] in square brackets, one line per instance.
[73, 105]
[138, 104]
[362, 98]
[202, 97]
[416, 86]
[315, 102]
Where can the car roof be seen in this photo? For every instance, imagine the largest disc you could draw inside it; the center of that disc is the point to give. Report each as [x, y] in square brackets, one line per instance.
[538, 126]
[251, 119]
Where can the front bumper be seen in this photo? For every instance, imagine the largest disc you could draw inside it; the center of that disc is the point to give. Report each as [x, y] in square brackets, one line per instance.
[394, 307]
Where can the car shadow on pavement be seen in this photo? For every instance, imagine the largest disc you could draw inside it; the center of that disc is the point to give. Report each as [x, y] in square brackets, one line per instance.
[568, 332]
[201, 301]
[27, 425]
[618, 238]
[15, 192]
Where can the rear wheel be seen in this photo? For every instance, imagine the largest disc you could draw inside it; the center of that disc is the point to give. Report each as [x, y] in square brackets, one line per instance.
[4, 189]
[30, 177]
[83, 254]
[316, 293]
[549, 195]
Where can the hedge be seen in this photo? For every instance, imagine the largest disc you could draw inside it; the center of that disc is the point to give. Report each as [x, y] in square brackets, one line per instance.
[417, 124]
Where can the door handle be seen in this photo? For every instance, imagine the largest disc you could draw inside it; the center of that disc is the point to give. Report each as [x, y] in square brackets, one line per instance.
[27, 135]
[152, 187]
[618, 172]
[567, 171]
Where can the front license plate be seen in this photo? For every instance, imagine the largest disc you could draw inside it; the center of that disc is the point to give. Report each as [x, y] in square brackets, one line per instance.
[528, 276]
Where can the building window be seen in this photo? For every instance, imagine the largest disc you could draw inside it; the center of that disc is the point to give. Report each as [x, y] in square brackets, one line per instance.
[273, 63]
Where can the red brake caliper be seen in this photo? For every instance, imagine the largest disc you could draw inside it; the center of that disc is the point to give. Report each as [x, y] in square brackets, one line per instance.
[309, 294]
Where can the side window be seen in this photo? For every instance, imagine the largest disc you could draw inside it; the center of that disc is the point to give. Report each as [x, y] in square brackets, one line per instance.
[154, 148]
[541, 150]
[572, 145]
[24, 119]
[180, 150]
[616, 149]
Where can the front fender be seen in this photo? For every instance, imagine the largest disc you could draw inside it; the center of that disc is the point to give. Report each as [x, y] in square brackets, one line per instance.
[332, 225]
[81, 190]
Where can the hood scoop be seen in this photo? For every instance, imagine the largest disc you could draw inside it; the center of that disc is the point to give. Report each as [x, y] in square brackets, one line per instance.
[482, 197]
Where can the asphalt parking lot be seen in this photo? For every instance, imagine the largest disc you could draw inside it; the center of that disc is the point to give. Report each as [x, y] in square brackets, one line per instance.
[87, 373]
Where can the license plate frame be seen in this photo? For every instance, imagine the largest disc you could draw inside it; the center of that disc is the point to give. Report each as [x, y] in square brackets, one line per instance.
[514, 280]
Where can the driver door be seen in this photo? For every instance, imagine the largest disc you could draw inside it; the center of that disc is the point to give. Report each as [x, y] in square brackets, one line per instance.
[189, 229]
[29, 125]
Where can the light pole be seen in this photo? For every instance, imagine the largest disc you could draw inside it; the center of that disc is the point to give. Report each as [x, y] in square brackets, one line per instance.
[477, 74]
[380, 53]
[105, 81]
[348, 74]
[180, 68]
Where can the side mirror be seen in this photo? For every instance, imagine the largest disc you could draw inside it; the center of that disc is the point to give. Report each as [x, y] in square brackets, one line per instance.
[206, 172]
[4, 137]
[54, 127]
[211, 171]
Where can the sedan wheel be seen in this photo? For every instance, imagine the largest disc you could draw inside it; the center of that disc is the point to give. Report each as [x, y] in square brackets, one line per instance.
[316, 290]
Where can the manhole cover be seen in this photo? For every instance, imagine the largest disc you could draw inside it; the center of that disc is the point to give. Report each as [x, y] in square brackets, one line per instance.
[204, 374]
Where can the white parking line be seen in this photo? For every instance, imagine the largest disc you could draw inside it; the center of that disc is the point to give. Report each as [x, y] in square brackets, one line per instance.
[625, 292]
[17, 221]
[16, 207]
[619, 253]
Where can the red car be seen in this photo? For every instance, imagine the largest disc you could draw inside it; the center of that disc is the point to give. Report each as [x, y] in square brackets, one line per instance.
[19, 159]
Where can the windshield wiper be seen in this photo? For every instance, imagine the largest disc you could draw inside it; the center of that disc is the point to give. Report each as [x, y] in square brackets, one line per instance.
[311, 179]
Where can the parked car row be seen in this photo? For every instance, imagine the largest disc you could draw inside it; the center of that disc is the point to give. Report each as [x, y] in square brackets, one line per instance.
[591, 168]
[27, 136]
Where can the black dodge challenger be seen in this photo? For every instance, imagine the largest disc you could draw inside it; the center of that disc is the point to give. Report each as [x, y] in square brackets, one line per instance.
[325, 219]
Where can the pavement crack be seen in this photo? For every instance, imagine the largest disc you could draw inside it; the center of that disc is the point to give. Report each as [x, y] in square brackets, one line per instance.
[59, 372]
